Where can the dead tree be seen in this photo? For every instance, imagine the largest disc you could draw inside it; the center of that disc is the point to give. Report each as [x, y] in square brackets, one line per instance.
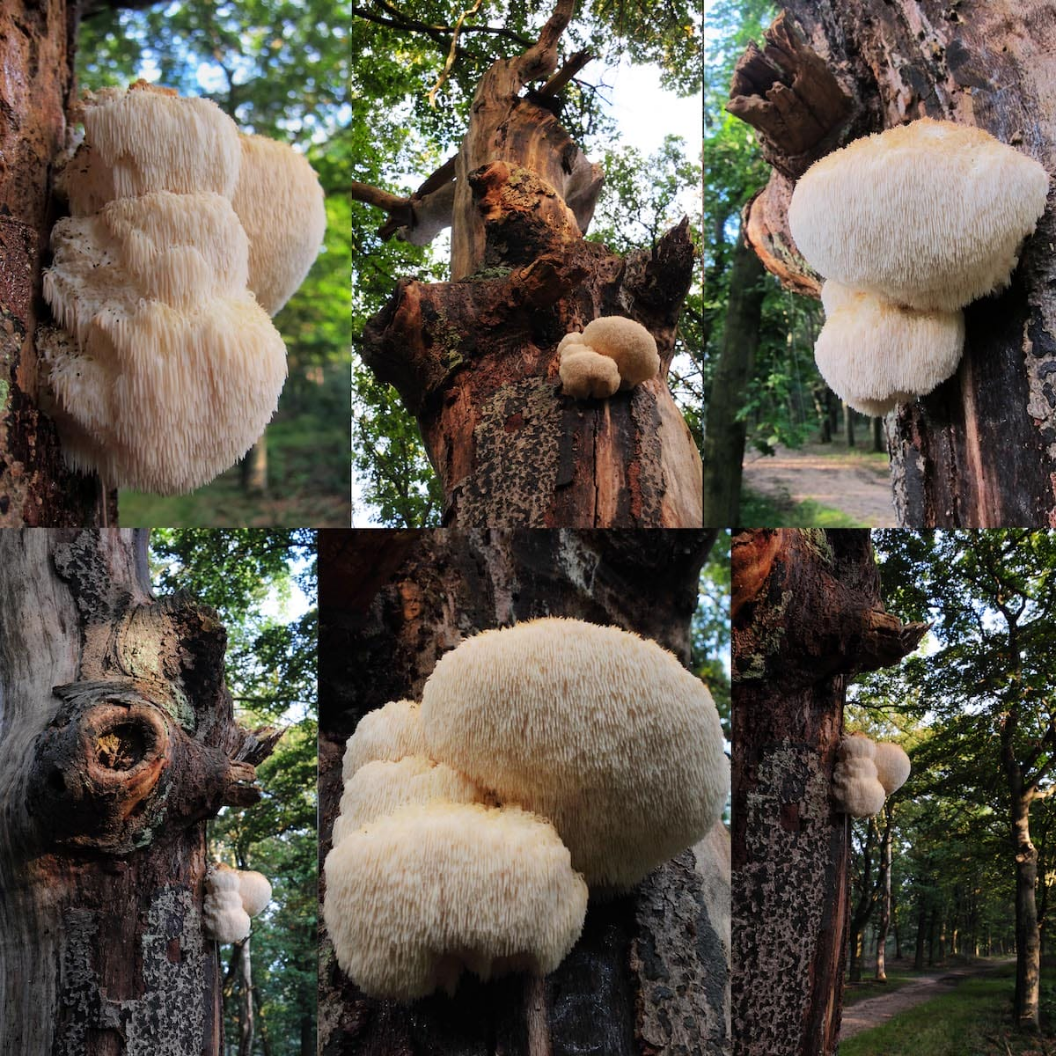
[649, 975]
[117, 742]
[807, 616]
[474, 359]
[980, 451]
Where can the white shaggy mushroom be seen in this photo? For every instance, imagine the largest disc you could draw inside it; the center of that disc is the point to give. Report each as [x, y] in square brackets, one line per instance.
[175, 369]
[629, 346]
[389, 732]
[223, 914]
[382, 786]
[255, 891]
[418, 896]
[599, 730]
[875, 355]
[280, 205]
[892, 766]
[854, 782]
[929, 215]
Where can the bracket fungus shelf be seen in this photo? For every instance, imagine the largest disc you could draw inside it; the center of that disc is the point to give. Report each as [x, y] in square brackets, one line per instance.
[183, 238]
[908, 226]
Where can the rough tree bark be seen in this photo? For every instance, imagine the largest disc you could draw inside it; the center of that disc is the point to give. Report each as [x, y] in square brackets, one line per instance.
[649, 975]
[474, 359]
[724, 434]
[980, 451]
[807, 615]
[36, 83]
[116, 743]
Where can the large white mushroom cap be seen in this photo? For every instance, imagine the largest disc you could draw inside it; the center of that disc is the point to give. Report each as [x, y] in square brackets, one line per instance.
[280, 204]
[386, 733]
[855, 783]
[892, 765]
[223, 915]
[418, 896]
[599, 730]
[875, 354]
[929, 215]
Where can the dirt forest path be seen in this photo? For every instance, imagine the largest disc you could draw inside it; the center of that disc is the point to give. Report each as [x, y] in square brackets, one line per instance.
[853, 483]
[876, 1011]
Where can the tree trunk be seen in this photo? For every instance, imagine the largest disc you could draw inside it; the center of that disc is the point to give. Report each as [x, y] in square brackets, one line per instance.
[475, 360]
[922, 925]
[848, 425]
[806, 615]
[245, 999]
[724, 433]
[650, 972]
[879, 443]
[118, 742]
[1028, 940]
[36, 85]
[885, 897]
[253, 469]
[980, 451]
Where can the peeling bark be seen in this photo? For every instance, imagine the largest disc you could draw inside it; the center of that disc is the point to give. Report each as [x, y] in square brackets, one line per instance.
[475, 360]
[649, 974]
[117, 743]
[980, 451]
[36, 84]
[807, 615]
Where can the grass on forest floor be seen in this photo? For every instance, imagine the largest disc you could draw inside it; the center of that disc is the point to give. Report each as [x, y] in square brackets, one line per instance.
[973, 1020]
[869, 987]
[764, 511]
[308, 486]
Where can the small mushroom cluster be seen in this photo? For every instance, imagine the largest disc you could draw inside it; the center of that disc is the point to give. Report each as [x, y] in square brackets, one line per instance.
[907, 227]
[867, 773]
[232, 896]
[611, 353]
[543, 758]
[183, 237]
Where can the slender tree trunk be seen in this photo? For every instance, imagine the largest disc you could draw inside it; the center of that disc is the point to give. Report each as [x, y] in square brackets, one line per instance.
[245, 999]
[253, 469]
[118, 742]
[36, 85]
[885, 897]
[806, 614]
[848, 425]
[980, 451]
[879, 441]
[475, 359]
[724, 432]
[1028, 939]
[650, 972]
[922, 927]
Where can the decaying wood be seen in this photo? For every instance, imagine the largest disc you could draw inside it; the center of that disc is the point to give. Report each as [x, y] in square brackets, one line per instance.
[980, 451]
[807, 615]
[36, 81]
[475, 360]
[649, 974]
[118, 741]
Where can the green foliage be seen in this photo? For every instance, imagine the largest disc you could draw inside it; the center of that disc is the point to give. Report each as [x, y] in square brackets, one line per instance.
[785, 398]
[249, 577]
[711, 626]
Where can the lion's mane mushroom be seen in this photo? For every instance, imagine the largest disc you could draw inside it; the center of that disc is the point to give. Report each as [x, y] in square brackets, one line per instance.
[380, 787]
[874, 354]
[280, 204]
[612, 352]
[387, 733]
[255, 891]
[231, 898]
[170, 369]
[416, 897]
[598, 730]
[225, 918]
[892, 766]
[877, 217]
[854, 782]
